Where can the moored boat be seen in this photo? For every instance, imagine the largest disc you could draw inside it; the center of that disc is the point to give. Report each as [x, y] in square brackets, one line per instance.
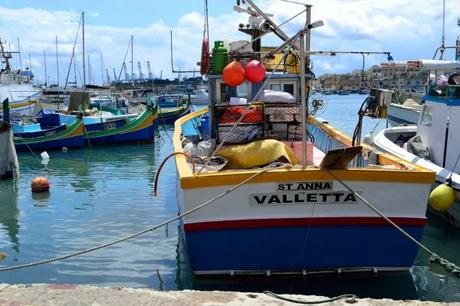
[69, 136]
[139, 129]
[169, 115]
[267, 201]
[434, 142]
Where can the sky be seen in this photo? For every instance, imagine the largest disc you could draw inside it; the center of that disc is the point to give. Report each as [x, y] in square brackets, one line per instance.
[408, 29]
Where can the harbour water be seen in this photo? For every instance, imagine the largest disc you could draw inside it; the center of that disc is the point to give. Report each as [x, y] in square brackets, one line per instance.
[104, 193]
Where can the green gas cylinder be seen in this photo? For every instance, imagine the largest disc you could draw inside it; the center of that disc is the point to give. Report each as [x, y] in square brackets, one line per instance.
[219, 57]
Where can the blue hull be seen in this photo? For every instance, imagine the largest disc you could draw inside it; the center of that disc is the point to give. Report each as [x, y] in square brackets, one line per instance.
[143, 135]
[172, 119]
[301, 248]
[58, 144]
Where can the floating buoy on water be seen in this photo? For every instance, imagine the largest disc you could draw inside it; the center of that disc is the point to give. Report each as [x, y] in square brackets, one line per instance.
[255, 71]
[233, 74]
[442, 197]
[3, 256]
[40, 184]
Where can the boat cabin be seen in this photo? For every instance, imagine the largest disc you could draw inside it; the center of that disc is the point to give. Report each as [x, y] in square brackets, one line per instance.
[439, 122]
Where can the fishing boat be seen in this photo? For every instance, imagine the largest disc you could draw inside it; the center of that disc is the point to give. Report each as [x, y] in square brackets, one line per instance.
[265, 200]
[16, 85]
[434, 142]
[56, 138]
[168, 115]
[138, 129]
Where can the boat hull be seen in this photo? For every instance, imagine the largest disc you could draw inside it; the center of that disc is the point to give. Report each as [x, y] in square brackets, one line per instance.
[383, 141]
[399, 114]
[141, 129]
[70, 137]
[294, 248]
[236, 234]
[169, 116]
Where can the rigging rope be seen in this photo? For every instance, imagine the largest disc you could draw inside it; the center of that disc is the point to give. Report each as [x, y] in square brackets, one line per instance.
[435, 258]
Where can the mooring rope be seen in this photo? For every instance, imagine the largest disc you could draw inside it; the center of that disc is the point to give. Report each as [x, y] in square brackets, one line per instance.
[434, 258]
[139, 233]
[349, 298]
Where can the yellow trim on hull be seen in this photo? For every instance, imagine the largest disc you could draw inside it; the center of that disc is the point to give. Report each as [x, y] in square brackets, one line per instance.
[231, 177]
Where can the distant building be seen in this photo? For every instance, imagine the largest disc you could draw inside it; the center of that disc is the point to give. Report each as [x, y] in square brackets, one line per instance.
[384, 76]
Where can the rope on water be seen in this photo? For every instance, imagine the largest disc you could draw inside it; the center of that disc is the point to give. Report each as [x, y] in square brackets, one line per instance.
[435, 258]
[137, 234]
[349, 298]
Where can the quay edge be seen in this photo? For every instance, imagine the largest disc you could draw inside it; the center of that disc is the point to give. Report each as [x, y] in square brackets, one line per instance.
[67, 294]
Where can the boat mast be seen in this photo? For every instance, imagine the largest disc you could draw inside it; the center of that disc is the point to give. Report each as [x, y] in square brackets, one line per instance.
[46, 72]
[132, 58]
[20, 57]
[443, 38]
[30, 63]
[57, 63]
[83, 42]
[102, 70]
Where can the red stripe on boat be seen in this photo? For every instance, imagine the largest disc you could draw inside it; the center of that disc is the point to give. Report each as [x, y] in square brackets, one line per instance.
[234, 224]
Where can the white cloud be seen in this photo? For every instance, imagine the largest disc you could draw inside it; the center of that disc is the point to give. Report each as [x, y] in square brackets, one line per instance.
[408, 30]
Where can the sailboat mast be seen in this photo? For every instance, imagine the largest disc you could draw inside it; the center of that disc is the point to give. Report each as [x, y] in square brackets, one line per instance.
[46, 72]
[30, 63]
[132, 58]
[20, 57]
[102, 70]
[83, 42]
[57, 63]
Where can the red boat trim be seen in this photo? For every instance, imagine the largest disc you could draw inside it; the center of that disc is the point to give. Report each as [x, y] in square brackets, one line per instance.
[339, 221]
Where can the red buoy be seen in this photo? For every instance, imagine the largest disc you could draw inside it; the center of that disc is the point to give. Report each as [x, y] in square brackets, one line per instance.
[40, 184]
[233, 74]
[255, 71]
[204, 56]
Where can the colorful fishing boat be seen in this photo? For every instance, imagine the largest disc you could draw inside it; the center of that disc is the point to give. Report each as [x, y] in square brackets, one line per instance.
[266, 200]
[69, 136]
[170, 114]
[139, 129]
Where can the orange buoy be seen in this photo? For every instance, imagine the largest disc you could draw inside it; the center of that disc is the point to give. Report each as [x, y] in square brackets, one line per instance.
[40, 184]
[255, 71]
[233, 74]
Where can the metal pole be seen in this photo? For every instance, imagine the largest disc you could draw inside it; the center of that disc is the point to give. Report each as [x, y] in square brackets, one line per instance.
[83, 40]
[46, 72]
[308, 35]
[20, 57]
[443, 38]
[30, 63]
[57, 63]
[303, 100]
[102, 70]
[132, 58]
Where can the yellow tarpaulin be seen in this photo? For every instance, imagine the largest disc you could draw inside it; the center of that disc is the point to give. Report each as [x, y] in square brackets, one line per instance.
[257, 153]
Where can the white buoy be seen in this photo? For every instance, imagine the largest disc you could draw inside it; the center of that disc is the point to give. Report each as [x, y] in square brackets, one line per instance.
[369, 139]
[64, 149]
[45, 158]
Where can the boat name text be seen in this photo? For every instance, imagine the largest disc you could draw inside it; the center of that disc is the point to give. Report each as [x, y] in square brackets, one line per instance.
[293, 198]
[305, 186]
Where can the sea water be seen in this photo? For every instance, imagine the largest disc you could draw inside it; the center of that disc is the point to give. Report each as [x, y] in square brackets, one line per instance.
[105, 193]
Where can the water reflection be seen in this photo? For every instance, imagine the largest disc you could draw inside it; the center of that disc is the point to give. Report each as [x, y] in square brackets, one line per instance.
[9, 212]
